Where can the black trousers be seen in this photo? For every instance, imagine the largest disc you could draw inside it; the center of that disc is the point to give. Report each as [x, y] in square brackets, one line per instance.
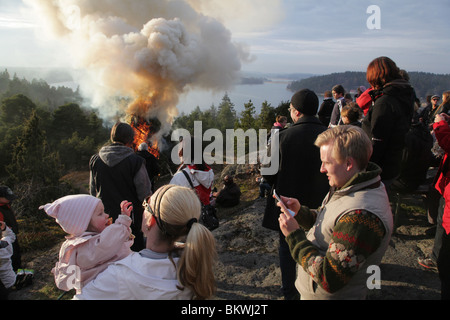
[443, 264]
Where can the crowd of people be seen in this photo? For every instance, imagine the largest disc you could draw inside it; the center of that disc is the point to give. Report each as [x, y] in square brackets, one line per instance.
[363, 150]
[339, 163]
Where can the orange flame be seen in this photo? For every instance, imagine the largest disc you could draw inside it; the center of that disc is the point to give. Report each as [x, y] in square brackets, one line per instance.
[142, 131]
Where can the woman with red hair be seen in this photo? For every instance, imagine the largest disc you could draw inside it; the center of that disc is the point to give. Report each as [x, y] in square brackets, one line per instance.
[389, 118]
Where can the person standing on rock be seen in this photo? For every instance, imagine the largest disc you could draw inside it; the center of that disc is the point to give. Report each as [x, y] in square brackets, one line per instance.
[298, 176]
[442, 239]
[351, 231]
[117, 173]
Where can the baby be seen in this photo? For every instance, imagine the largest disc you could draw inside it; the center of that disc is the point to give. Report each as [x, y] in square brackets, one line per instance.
[93, 240]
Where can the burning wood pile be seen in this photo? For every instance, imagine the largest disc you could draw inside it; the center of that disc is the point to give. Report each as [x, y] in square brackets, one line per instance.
[144, 132]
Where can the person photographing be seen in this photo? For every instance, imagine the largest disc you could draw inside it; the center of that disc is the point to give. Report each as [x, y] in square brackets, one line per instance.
[335, 244]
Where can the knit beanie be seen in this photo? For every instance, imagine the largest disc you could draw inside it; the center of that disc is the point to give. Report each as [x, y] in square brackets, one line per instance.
[73, 213]
[306, 102]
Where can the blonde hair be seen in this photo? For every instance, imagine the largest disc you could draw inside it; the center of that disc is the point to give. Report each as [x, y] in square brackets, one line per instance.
[445, 97]
[348, 141]
[178, 210]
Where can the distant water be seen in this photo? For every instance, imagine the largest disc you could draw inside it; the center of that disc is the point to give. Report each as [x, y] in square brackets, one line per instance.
[274, 91]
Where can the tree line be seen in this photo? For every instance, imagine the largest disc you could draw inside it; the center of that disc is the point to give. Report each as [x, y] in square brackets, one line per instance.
[424, 83]
[42, 138]
[38, 91]
[225, 116]
[45, 134]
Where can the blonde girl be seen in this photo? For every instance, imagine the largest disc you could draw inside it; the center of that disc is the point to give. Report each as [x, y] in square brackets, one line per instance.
[178, 262]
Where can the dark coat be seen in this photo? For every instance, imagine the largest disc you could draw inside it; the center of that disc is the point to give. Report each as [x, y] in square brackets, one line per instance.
[387, 123]
[152, 166]
[325, 111]
[117, 174]
[299, 173]
[229, 196]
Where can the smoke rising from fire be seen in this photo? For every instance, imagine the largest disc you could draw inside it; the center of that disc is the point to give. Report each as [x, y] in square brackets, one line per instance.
[140, 55]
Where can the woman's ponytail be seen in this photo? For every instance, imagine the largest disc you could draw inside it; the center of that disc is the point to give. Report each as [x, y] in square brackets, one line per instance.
[197, 262]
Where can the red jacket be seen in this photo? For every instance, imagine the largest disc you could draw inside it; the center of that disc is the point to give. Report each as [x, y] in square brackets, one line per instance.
[442, 133]
[364, 101]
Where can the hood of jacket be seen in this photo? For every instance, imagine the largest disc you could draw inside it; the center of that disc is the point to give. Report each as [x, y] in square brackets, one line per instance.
[399, 89]
[114, 154]
[153, 279]
[205, 178]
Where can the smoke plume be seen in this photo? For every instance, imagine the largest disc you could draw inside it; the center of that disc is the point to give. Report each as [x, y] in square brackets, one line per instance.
[140, 55]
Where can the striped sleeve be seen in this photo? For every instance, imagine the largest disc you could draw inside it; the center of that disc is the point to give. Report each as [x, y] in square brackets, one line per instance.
[355, 237]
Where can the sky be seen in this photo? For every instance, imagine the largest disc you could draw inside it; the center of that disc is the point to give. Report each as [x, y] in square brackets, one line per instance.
[283, 36]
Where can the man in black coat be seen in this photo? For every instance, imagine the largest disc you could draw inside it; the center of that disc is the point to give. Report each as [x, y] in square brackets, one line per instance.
[326, 108]
[298, 175]
[118, 174]
[151, 163]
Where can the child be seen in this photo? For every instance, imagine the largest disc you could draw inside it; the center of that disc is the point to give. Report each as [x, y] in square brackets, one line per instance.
[351, 114]
[162, 271]
[7, 215]
[7, 274]
[93, 240]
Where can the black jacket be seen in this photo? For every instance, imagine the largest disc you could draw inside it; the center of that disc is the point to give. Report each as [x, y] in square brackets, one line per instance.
[118, 174]
[325, 111]
[229, 196]
[299, 173]
[387, 123]
[152, 166]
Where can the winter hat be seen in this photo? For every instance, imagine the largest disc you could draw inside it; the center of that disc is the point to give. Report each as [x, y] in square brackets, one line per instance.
[6, 192]
[73, 213]
[306, 102]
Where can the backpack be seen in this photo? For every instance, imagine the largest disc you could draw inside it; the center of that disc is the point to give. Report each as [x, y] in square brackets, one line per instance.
[208, 216]
[416, 159]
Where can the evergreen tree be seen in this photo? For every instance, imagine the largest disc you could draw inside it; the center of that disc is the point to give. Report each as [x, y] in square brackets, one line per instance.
[209, 118]
[267, 116]
[226, 115]
[96, 129]
[248, 117]
[75, 152]
[283, 109]
[31, 157]
[4, 81]
[15, 109]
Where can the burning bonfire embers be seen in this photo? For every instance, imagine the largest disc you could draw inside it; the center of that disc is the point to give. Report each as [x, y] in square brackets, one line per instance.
[144, 131]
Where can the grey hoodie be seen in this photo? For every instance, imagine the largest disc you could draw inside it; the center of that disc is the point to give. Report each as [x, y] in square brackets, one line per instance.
[114, 154]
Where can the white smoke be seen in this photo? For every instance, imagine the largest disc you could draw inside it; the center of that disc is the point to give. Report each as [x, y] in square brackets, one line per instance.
[140, 55]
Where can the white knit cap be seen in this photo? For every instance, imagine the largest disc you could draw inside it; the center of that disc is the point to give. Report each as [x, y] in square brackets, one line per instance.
[72, 213]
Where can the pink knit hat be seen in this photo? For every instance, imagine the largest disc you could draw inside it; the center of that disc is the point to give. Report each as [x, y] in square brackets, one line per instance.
[72, 213]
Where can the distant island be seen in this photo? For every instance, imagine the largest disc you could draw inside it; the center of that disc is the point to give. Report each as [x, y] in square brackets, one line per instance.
[245, 80]
[424, 83]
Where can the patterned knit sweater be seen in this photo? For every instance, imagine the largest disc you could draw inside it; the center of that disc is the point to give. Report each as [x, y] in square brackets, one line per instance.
[356, 235]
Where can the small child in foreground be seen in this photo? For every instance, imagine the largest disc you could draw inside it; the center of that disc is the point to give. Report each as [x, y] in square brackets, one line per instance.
[7, 274]
[93, 240]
